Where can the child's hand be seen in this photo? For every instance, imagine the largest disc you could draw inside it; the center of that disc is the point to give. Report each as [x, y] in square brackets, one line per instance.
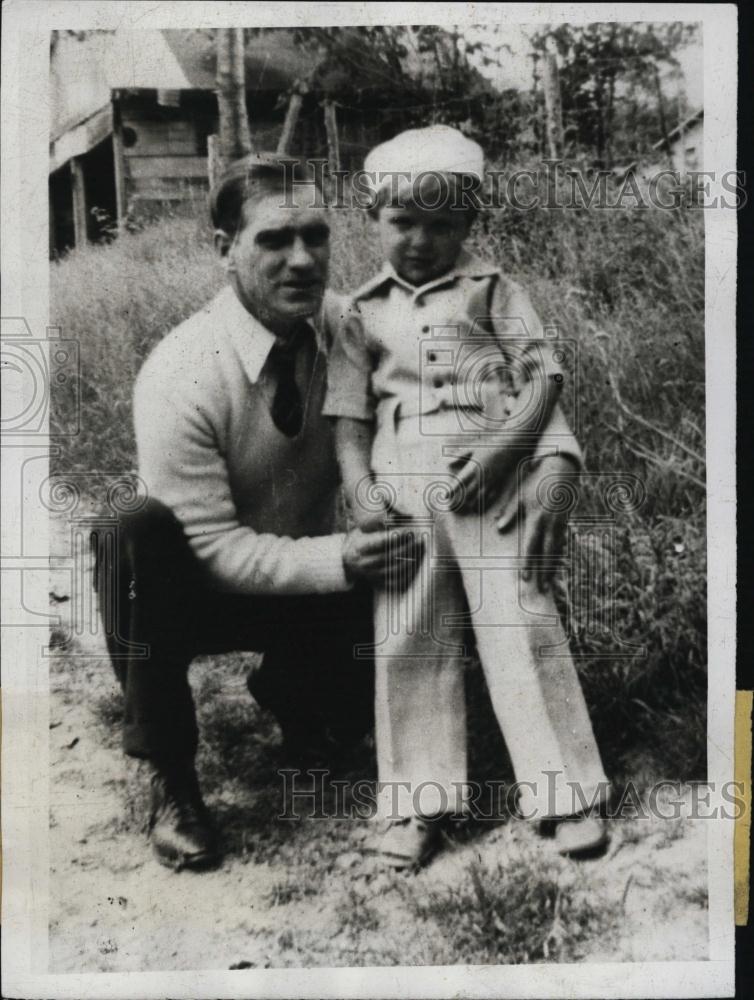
[544, 530]
[479, 478]
[369, 507]
[369, 520]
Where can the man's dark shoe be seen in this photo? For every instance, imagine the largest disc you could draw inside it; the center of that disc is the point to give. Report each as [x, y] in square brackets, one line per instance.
[179, 824]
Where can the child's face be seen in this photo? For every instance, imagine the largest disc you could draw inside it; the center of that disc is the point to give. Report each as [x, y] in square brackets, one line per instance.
[422, 243]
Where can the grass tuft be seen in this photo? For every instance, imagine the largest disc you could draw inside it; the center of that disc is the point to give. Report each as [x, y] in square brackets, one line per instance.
[509, 914]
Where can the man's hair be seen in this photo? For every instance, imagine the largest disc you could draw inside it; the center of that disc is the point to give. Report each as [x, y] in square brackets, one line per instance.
[254, 177]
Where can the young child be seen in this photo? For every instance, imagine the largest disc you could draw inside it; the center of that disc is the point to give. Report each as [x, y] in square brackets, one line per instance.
[445, 393]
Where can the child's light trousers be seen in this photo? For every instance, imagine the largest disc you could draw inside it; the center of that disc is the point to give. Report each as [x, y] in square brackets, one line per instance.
[471, 574]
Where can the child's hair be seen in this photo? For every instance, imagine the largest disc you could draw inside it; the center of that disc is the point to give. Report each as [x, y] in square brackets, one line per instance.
[446, 190]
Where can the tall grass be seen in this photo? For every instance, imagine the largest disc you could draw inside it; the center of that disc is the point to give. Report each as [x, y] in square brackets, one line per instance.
[626, 286]
[117, 300]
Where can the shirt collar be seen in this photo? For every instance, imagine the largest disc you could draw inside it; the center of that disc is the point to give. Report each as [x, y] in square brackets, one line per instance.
[467, 266]
[250, 339]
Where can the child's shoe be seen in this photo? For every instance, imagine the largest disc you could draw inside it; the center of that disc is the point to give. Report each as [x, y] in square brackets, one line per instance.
[409, 842]
[581, 837]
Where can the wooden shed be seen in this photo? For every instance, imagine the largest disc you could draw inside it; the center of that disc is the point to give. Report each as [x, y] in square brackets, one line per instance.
[165, 108]
[81, 164]
[133, 111]
[686, 143]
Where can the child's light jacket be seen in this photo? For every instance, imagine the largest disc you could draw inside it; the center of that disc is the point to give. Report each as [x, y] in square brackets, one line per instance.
[469, 341]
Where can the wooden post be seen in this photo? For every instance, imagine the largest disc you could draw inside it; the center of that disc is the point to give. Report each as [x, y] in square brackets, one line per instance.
[661, 115]
[553, 107]
[538, 118]
[120, 176]
[214, 160]
[51, 227]
[235, 138]
[78, 192]
[291, 117]
[331, 128]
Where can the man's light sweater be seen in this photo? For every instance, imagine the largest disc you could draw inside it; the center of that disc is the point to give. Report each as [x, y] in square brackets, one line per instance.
[257, 507]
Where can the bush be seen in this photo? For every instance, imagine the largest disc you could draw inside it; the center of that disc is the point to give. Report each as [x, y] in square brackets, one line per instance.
[628, 287]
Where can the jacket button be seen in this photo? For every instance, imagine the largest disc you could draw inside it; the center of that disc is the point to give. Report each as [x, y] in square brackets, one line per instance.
[437, 383]
[431, 356]
[425, 329]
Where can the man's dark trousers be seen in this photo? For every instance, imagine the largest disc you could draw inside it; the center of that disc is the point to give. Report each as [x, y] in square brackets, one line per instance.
[160, 612]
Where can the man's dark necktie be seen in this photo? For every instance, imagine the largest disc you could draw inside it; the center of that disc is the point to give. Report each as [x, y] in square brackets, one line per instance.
[287, 408]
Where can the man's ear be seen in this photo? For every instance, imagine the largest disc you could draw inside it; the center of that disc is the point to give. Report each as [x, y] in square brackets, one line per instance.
[223, 243]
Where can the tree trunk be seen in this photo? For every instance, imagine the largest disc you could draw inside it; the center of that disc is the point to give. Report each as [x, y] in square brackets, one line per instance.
[609, 115]
[234, 136]
[537, 117]
[553, 107]
[331, 128]
[661, 114]
[599, 100]
[291, 118]
[609, 106]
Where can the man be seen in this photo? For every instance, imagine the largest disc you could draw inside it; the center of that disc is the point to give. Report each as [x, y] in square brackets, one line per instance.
[236, 548]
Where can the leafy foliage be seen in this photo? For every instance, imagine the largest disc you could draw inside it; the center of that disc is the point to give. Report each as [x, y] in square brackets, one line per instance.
[412, 63]
[609, 80]
[407, 75]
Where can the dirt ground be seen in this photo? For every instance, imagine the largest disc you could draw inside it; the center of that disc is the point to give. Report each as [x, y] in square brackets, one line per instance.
[307, 893]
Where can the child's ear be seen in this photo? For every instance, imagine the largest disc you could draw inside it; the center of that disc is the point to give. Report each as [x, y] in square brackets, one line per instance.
[223, 242]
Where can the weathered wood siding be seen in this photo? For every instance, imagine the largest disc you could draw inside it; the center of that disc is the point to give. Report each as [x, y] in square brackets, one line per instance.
[687, 149]
[164, 149]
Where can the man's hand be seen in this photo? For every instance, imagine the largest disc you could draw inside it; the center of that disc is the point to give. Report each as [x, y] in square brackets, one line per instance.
[544, 530]
[367, 556]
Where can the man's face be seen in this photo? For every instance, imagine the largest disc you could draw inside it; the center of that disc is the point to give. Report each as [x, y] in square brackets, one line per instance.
[278, 260]
[422, 243]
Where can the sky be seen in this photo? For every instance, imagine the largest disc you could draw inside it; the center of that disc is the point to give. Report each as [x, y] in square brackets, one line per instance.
[516, 68]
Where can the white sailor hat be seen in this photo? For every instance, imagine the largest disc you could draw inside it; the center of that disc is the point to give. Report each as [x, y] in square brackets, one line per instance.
[420, 151]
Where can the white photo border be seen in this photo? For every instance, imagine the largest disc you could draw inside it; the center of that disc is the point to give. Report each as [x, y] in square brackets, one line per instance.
[25, 694]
